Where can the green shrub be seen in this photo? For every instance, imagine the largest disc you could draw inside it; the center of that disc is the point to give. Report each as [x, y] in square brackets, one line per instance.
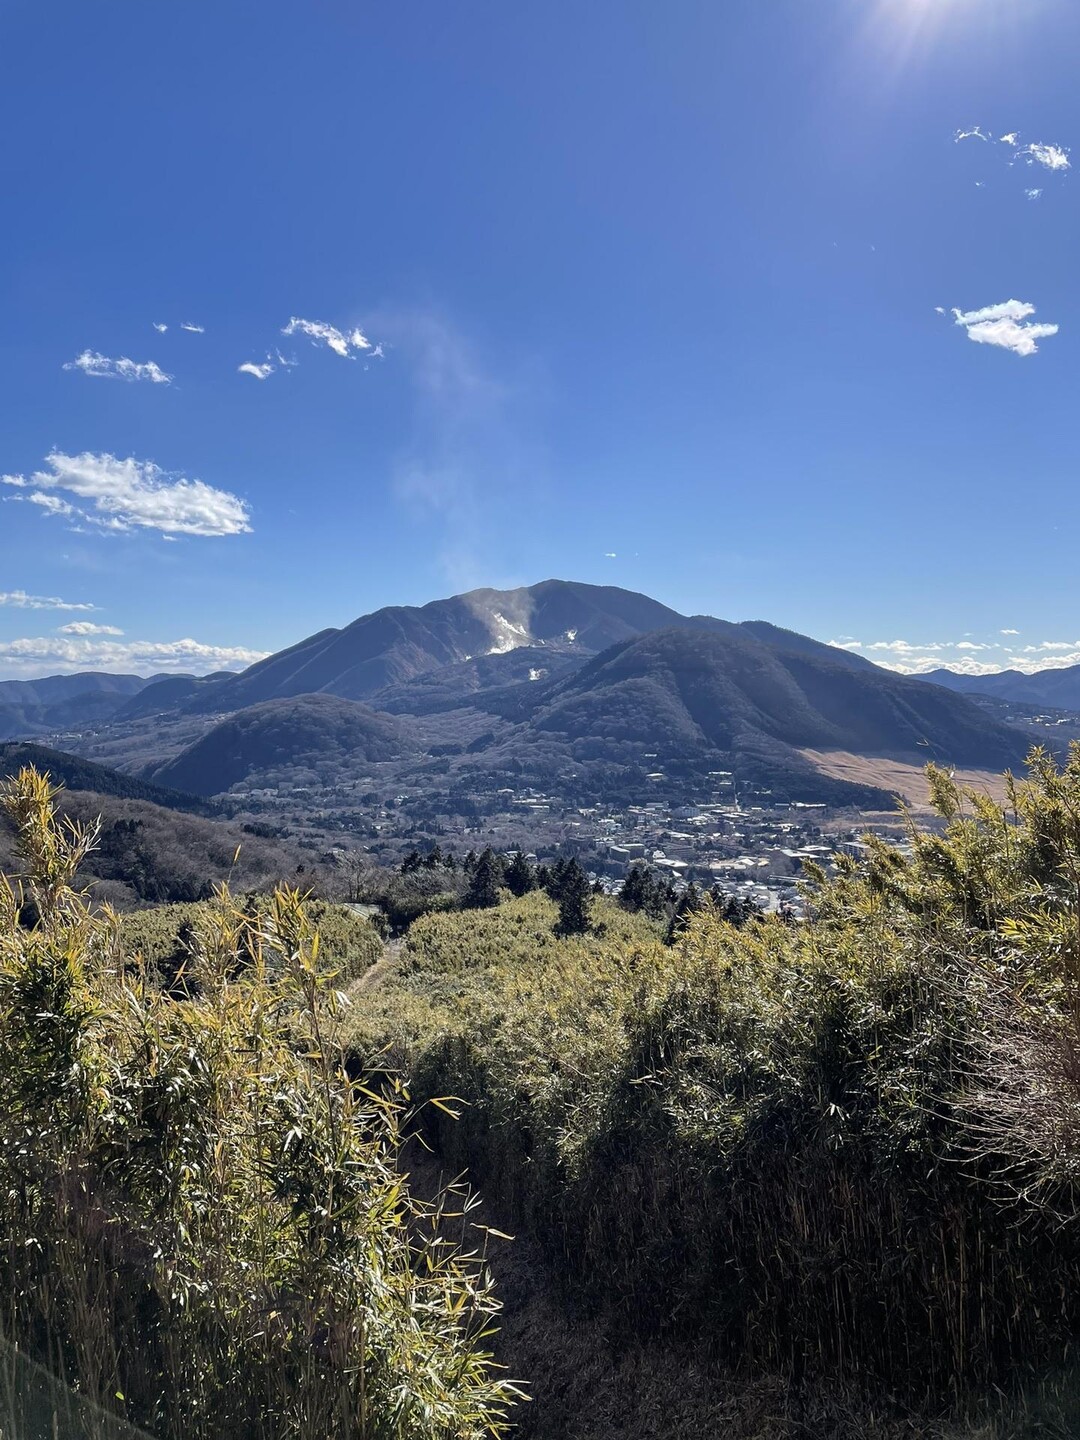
[791, 1142]
[205, 1226]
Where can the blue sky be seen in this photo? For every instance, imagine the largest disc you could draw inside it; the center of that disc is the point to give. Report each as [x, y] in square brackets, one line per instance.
[622, 292]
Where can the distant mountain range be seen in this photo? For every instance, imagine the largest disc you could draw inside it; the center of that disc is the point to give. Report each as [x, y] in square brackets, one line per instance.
[60, 702]
[560, 684]
[1055, 689]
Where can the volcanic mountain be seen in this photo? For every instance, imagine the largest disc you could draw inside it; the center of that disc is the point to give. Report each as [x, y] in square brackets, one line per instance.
[392, 647]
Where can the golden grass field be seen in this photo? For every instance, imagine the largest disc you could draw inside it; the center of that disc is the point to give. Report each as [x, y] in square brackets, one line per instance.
[905, 776]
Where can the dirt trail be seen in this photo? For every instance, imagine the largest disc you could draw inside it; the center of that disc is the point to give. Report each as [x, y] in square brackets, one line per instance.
[373, 978]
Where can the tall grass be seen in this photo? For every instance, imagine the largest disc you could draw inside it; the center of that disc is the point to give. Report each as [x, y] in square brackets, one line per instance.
[204, 1225]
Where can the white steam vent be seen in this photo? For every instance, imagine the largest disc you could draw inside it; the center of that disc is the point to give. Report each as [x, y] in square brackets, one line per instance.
[506, 634]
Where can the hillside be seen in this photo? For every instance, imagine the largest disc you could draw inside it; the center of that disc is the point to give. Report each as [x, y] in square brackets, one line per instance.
[694, 702]
[150, 855]
[168, 694]
[75, 773]
[681, 690]
[311, 732]
[480, 680]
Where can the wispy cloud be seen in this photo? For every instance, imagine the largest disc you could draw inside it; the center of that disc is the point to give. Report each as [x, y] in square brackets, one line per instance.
[1054, 158]
[1008, 632]
[20, 600]
[131, 494]
[472, 452]
[897, 647]
[194, 329]
[260, 372]
[160, 327]
[90, 362]
[87, 627]
[1003, 325]
[343, 343]
[43, 655]
[1051, 157]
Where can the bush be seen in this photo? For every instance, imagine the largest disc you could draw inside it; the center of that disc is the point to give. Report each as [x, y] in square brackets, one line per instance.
[205, 1226]
[790, 1142]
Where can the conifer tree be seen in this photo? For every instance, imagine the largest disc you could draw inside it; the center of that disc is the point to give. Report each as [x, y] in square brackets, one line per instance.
[639, 891]
[688, 903]
[483, 891]
[519, 875]
[573, 901]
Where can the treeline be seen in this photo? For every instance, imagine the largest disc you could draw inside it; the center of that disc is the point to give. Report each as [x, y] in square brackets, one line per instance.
[435, 881]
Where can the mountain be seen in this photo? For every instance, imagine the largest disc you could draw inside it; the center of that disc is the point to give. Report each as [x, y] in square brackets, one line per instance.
[381, 652]
[161, 696]
[51, 689]
[1056, 689]
[709, 700]
[74, 773]
[64, 702]
[793, 643]
[579, 689]
[480, 680]
[394, 645]
[314, 733]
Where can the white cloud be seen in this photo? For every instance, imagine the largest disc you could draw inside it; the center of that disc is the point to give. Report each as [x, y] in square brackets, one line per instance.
[610, 555]
[160, 327]
[1002, 325]
[1049, 157]
[51, 504]
[194, 329]
[897, 647]
[132, 494]
[966, 657]
[20, 600]
[87, 627]
[342, 343]
[1052, 157]
[92, 363]
[44, 655]
[259, 371]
